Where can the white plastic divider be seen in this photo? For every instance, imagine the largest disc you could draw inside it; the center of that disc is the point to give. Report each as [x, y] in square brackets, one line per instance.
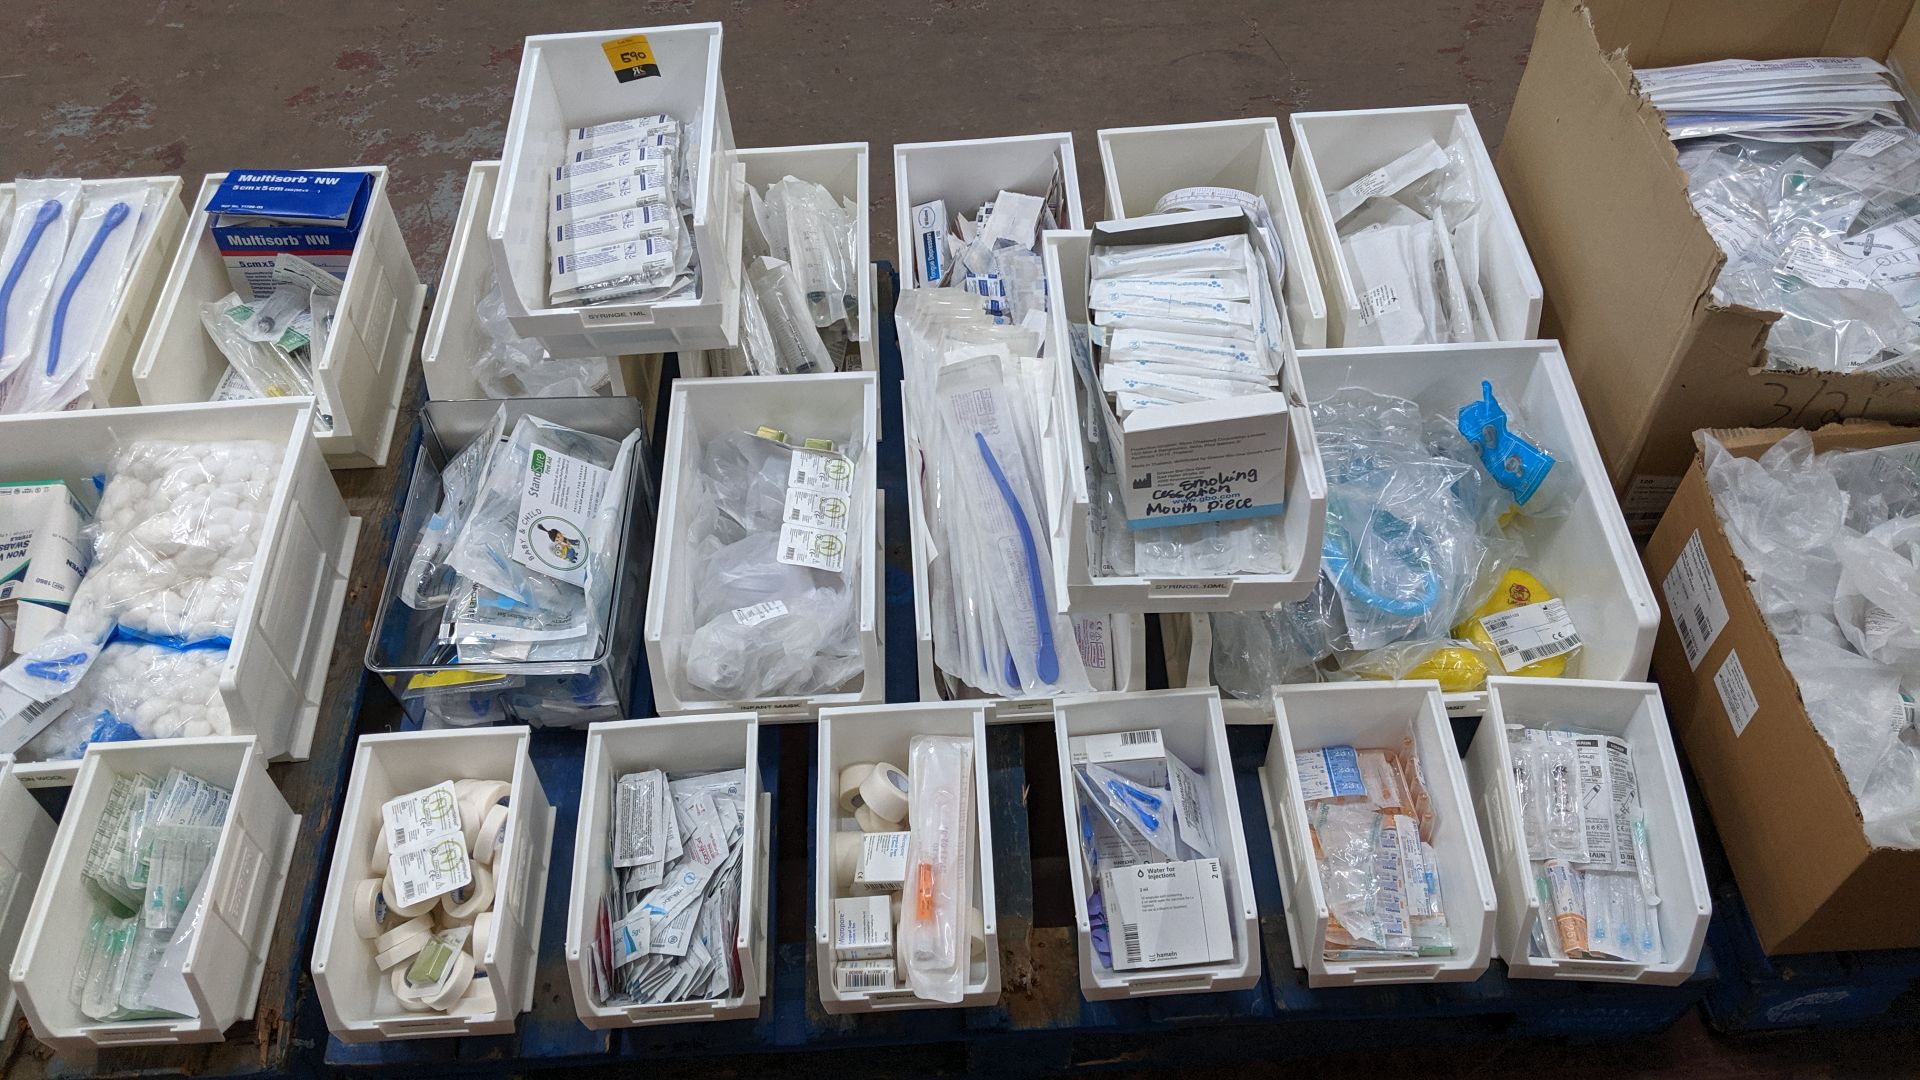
[1334, 149]
[843, 407]
[1119, 658]
[111, 383]
[966, 173]
[1377, 716]
[1191, 728]
[454, 337]
[355, 994]
[691, 744]
[1063, 457]
[841, 168]
[361, 375]
[276, 668]
[1632, 711]
[1144, 163]
[26, 836]
[1587, 557]
[245, 879]
[872, 733]
[572, 80]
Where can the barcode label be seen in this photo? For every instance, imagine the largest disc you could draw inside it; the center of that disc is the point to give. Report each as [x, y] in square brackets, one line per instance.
[821, 549]
[1130, 941]
[1527, 635]
[867, 980]
[1694, 602]
[1140, 738]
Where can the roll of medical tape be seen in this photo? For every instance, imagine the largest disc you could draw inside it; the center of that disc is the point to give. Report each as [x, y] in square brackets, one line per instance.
[849, 788]
[884, 792]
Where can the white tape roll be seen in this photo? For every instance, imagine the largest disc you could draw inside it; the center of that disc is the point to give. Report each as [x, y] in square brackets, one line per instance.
[493, 829]
[456, 985]
[977, 933]
[849, 789]
[410, 928]
[478, 998]
[369, 909]
[476, 798]
[482, 935]
[884, 792]
[411, 912]
[470, 901]
[379, 863]
[846, 856]
[870, 822]
[407, 941]
[411, 999]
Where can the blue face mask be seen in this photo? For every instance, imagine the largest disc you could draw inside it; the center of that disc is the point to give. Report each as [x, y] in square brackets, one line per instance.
[1513, 462]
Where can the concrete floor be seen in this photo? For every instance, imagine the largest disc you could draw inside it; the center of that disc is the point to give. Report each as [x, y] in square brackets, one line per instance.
[192, 86]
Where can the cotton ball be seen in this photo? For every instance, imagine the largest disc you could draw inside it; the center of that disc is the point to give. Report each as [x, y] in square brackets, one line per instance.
[196, 729]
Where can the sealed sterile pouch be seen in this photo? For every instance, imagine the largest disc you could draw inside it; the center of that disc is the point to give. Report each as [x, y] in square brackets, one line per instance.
[653, 166]
[817, 248]
[1388, 180]
[646, 264]
[1115, 292]
[1159, 304]
[573, 200]
[99, 251]
[44, 215]
[1390, 267]
[616, 130]
[661, 143]
[1224, 331]
[1127, 343]
[1219, 253]
[513, 366]
[933, 920]
[529, 519]
[429, 582]
[268, 369]
[627, 226]
[785, 311]
[1172, 384]
[1192, 366]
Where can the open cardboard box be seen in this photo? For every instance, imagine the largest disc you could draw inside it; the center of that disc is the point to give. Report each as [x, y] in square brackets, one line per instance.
[1627, 264]
[1811, 880]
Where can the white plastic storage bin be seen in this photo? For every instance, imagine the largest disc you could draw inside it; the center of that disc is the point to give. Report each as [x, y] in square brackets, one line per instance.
[885, 733]
[692, 744]
[1191, 726]
[111, 384]
[1144, 163]
[363, 372]
[26, 836]
[1364, 716]
[245, 880]
[1633, 712]
[1063, 456]
[842, 407]
[1334, 149]
[1587, 557]
[1117, 660]
[355, 994]
[454, 337]
[574, 80]
[967, 173]
[843, 170]
[276, 668]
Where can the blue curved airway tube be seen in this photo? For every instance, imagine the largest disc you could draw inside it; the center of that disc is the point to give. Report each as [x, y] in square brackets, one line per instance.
[1045, 658]
[116, 214]
[48, 213]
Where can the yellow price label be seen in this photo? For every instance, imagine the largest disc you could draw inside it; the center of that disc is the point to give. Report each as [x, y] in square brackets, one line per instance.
[631, 57]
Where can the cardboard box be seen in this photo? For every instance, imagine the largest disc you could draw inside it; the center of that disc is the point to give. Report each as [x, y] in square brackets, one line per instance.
[1790, 824]
[1628, 266]
[316, 215]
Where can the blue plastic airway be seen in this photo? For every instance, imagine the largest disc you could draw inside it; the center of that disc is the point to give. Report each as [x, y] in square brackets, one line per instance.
[1045, 657]
[116, 214]
[48, 213]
